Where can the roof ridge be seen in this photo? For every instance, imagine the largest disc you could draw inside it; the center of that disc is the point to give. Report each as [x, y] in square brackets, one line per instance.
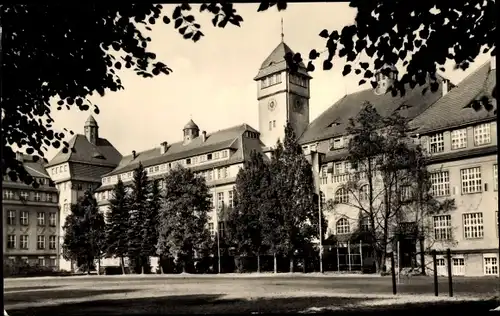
[473, 72]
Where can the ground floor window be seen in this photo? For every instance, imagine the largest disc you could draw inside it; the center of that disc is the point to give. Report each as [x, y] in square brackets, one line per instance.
[490, 265]
[52, 262]
[41, 261]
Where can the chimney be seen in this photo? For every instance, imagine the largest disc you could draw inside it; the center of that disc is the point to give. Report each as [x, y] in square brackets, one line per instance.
[493, 63]
[19, 156]
[446, 86]
[164, 147]
[134, 154]
[203, 136]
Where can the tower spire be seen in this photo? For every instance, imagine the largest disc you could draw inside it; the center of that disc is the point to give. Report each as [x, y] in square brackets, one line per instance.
[282, 34]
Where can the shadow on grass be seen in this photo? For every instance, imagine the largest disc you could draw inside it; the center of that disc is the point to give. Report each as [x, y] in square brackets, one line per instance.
[30, 288]
[34, 296]
[217, 304]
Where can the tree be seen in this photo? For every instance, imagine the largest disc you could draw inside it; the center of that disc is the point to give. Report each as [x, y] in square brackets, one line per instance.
[421, 35]
[84, 236]
[245, 229]
[150, 233]
[295, 195]
[137, 228]
[117, 224]
[77, 56]
[386, 169]
[183, 218]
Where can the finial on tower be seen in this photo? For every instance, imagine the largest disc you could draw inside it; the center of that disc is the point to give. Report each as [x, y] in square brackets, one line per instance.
[282, 34]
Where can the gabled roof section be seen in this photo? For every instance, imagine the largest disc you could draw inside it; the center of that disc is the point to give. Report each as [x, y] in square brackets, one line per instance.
[102, 153]
[230, 138]
[35, 169]
[275, 62]
[334, 121]
[452, 111]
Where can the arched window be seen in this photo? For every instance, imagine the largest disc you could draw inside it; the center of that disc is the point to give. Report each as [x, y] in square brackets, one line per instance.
[342, 226]
[364, 193]
[342, 196]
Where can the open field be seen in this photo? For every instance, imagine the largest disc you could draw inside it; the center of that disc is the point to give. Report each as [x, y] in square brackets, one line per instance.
[181, 294]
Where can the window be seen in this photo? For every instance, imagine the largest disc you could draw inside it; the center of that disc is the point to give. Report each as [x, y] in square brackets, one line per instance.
[11, 217]
[24, 242]
[52, 262]
[24, 218]
[79, 186]
[211, 229]
[342, 196]
[495, 177]
[471, 180]
[209, 156]
[41, 261]
[11, 241]
[322, 198]
[364, 193]
[66, 208]
[274, 123]
[230, 198]
[8, 194]
[210, 175]
[24, 195]
[216, 155]
[278, 77]
[436, 142]
[473, 225]
[40, 218]
[442, 227]
[52, 242]
[342, 226]
[459, 138]
[440, 183]
[336, 143]
[324, 175]
[220, 200]
[365, 224]
[188, 161]
[52, 219]
[482, 134]
[270, 125]
[338, 168]
[224, 154]
[40, 242]
[406, 193]
[221, 229]
[490, 265]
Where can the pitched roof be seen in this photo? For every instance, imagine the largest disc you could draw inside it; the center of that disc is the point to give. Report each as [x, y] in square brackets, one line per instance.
[230, 138]
[35, 169]
[191, 125]
[103, 153]
[91, 121]
[275, 62]
[334, 121]
[451, 111]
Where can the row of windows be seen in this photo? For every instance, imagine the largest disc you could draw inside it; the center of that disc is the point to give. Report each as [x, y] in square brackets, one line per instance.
[24, 242]
[24, 218]
[334, 144]
[473, 226]
[41, 181]
[342, 226]
[40, 261]
[211, 228]
[29, 196]
[214, 174]
[220, 201]
[272, 124]
[59, 169]
[490, 266]
[270, 80]
[168, 166]
[482, 136]
[299, 80]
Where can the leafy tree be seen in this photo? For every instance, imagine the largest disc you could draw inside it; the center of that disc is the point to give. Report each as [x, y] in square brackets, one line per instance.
[183, 218]
[385, 168]
[150, 233]
[137, 228]
[421, 35]
[84, 235]
[117, 224]
[296, 198]
[246, 230]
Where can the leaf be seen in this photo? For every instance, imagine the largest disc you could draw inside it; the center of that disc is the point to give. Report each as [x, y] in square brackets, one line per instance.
[189, 18]
[197, 35]
[347, 70]
[357, 71]
[188, 35]
[182, 30]
[362, 82]
[166, 19]
[327, 65]
[310, 66]
[313, 54]
[178, 23]
[215, 20]
[177, 13]
[264, 5]
[324, 33]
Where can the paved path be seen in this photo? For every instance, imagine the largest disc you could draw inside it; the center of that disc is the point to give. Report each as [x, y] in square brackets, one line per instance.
[230, 294]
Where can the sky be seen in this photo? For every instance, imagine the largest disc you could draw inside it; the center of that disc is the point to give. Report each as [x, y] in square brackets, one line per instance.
[212, 80]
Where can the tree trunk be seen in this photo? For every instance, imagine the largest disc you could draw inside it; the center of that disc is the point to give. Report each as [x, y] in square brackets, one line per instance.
[275, 263]
[89, 266]
[304, 262]
[122, 263]
[291, 263]
[99, 266]
[258, 262]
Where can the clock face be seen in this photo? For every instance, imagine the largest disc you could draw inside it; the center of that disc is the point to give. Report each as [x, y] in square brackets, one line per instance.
[298, 105]
[272, 105]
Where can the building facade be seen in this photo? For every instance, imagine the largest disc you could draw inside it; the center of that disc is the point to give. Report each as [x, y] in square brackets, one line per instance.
[79, 169]
[31, 218]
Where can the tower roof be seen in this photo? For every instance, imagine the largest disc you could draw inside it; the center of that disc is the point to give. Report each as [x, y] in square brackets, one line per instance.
[91, 121]
[275, 62]
[191, 125]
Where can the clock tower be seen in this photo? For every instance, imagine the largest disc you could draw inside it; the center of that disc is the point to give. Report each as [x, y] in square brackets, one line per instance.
[283, 97]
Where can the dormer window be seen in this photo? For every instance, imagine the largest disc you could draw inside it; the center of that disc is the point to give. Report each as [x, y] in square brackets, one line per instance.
[336, 143]
[209, 156]
[188, 161]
